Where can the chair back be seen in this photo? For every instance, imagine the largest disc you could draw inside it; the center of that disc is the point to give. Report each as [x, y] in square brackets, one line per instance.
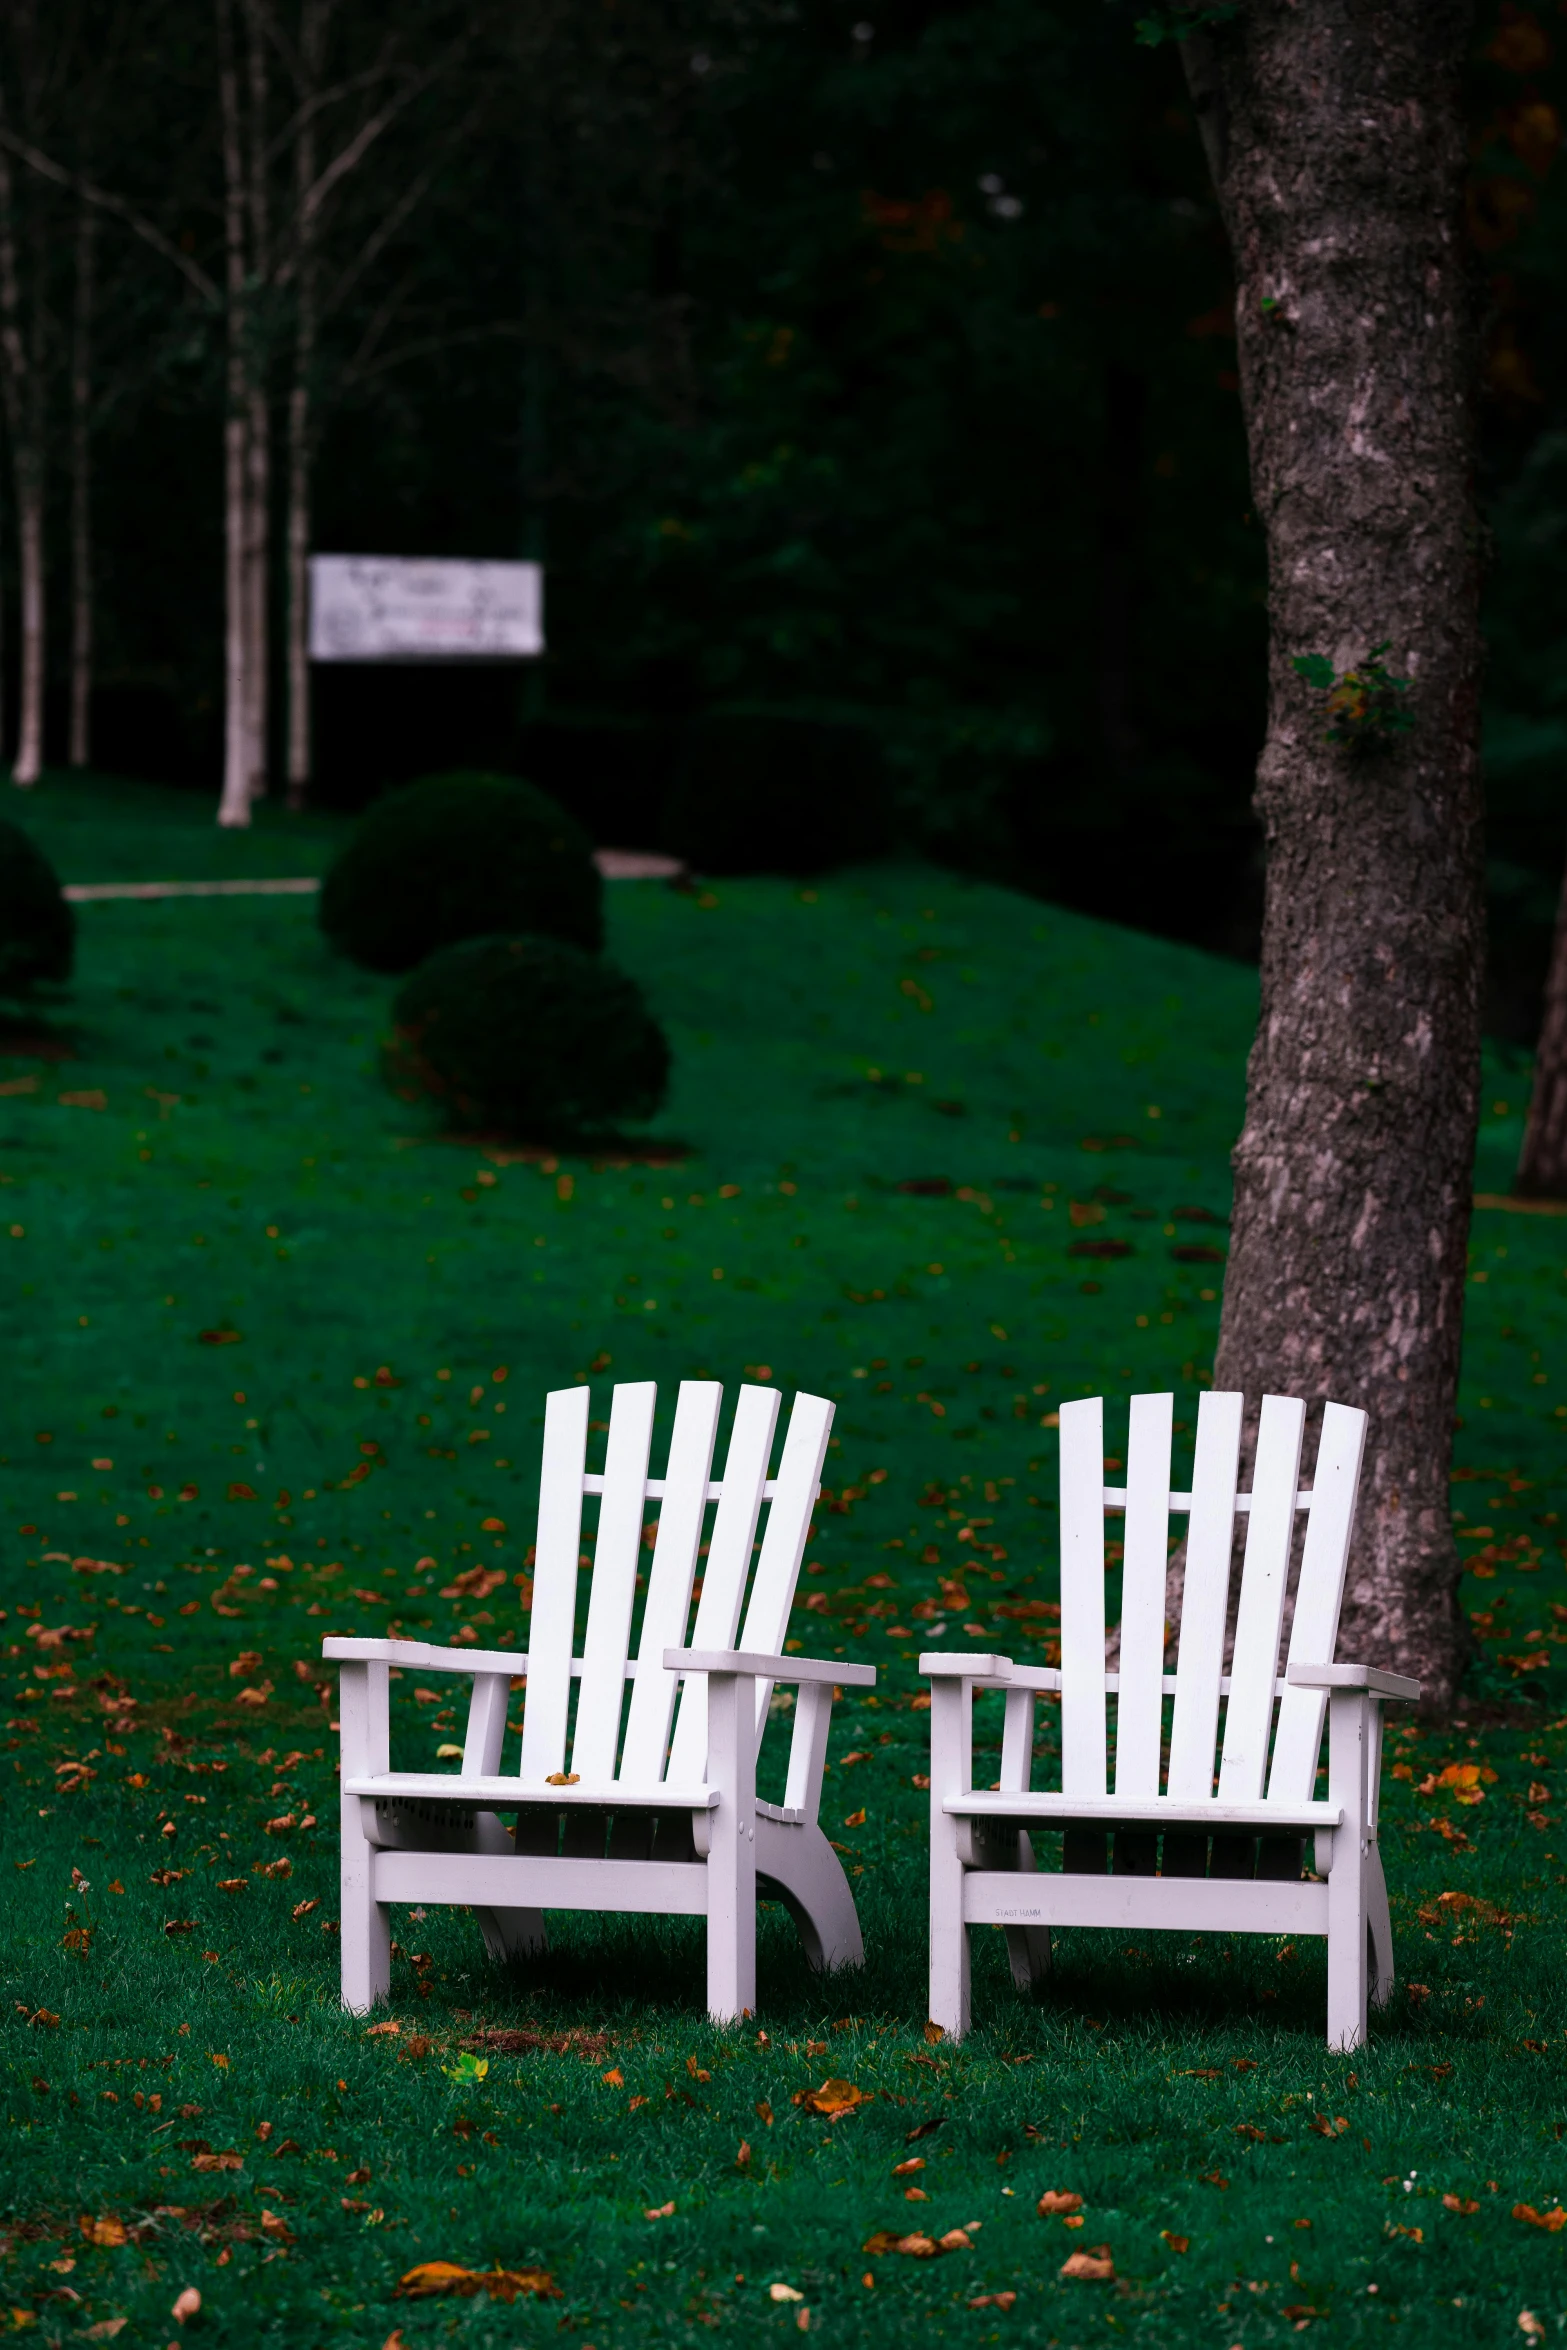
[1210, 1509]
[611, 1741]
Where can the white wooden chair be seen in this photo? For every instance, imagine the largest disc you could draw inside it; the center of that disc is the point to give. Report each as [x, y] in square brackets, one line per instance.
[640, 1820]
[1256, 1811]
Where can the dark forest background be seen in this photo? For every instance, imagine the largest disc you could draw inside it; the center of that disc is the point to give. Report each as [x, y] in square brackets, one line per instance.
[876, 365]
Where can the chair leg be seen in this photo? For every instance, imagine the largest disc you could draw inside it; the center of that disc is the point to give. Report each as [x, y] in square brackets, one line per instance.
[508, 1933]
[949, 1943]
[800, 1866]
[731, 1858]
[1380, 1928]
[364, 1924]
[1347, 1942]
[1028, 1947]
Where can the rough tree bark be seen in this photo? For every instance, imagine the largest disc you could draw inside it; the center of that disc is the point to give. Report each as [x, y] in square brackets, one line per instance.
[1542, 1165]
[80, 744]
[1337, 147]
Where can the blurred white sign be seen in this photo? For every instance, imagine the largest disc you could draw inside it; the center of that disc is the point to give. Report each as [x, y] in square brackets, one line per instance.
[407, 608]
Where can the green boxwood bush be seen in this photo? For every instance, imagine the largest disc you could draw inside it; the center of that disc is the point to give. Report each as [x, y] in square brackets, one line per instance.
[460, 856]
[527, 1036]
[762, 790]
[37, 923]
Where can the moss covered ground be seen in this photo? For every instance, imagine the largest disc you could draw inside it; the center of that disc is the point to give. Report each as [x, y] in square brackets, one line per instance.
[276, 1355]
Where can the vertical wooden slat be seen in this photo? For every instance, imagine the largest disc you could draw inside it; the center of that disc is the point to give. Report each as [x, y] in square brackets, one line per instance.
[1330, 1523]
[1210, 1535]
[607, 1640]
[1270, 1534]
[552, 1622]
[788, 1527]
[1083, 1597]
[668, 1604]
[728, 1564]
[1139, 1713]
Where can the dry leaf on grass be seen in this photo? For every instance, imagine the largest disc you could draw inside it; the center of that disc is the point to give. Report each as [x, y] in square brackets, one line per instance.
[227, 2160]
[660, 2211]
[106, 2329]
[436, 2277]
[277, 2229]
[1553, 2220]
[1464, 2205]
[1176, 2243]
[1095, 2266]
[186, 2304]
[993, 2301]
[784, 2293]
[1057, 2201]
[833, 2098]
[917, 2247]
[104, 2231]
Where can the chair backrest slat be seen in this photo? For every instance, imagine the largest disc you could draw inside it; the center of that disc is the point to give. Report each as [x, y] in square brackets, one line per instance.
[1270, 1535]
[1145, 1560]
[1199, 1660]
[1083, 1597]
[728, 1565]
[1319, 1596]
[788, 1529]
[553, 1616]
[607, 1641]
[668, 1606]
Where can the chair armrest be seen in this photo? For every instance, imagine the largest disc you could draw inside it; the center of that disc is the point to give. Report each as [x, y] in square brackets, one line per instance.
[939, 1664]
[769, 1668]
[1368, 1677]
[428, 1658]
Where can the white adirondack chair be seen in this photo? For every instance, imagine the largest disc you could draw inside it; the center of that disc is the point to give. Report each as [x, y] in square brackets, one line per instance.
[1257, 1811]
[640, 1820]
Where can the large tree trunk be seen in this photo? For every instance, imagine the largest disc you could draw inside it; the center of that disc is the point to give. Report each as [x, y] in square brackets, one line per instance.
[1337, 144]
[80, 745]
[1542, 1167]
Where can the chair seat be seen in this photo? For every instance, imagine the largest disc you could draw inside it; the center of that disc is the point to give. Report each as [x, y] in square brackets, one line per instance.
[1159, 1811]
[504, 1793]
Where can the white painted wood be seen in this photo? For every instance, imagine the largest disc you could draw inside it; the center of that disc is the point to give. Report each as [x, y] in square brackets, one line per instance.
[743, 1488]
[668, 1607]
[364, 1928]
[440, 1836]
[1297, 1740]
[1152, 1811]
[1139, 1718]
[766, 1619]
[545, 1881]
[731, 1861]
[951, 1771]
[1189, 1905]
[552, 1624]
[1259, 1621]
[607, 1640]
[1199, 1662]
[1082, 1597]
[984, 1840]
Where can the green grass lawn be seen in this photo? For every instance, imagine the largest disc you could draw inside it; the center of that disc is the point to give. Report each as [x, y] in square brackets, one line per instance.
[903, 1100]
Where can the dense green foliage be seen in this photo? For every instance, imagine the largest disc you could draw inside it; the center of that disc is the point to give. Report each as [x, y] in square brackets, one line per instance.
[763, 790]
[884, 365]
[885, 1173]
[455, 857]
[37, 924]
[527, 1037]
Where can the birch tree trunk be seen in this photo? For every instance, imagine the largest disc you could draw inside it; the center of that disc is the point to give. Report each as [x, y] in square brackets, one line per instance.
[301, 421]
[82, 614]
[18, 362]
[258, 469]
[1542, 1167]
[238, 699]
[1337, 146]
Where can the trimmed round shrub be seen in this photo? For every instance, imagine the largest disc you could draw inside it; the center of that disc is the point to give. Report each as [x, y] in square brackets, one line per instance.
[762, 790]
[528, 1036]
[460, 856]
[37, 922]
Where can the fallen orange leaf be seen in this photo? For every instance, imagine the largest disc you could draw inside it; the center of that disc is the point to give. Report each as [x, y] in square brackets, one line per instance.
[834, 2098]
[1462, 2204]
[104, 2231]
[1553, 2220]
[660, 2211]
[434, 2277]
[1176, 2243]
[993, 2301]
[1056, 2201]
[1096, 2265]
